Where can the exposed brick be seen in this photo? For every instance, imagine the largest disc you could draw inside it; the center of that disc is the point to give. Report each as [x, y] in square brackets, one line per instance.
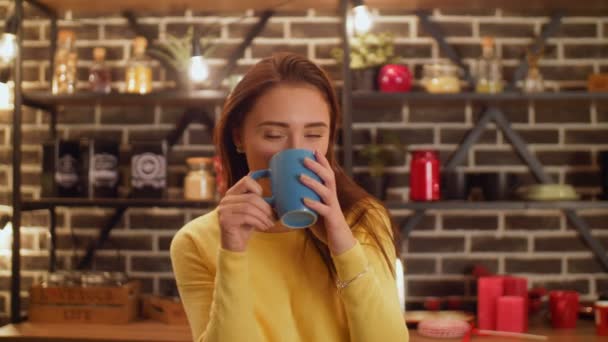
[177, 157]
[587, 51]
[123, 31]
[602, 111]
[515, 111]
[564, 157]
[532, 222]
[30, 178]
[435, 244]
[368, 112]
[117, 263]
[151, 134]
[200, 136]
[151, 264]
[153, 221]
[559, 111]
[361, 136]
[506, 30]
[360, 159]
[566, 72]
[164, 242]
[601, 285]
[452, 222]
[445, 111]
[497, 158]
[34, 263]
[450, 29]
[448, 135]
[315, 30]
[561, 244]
[440, 288]
[413, 50]
[400, 29]
[113, 53]
[36, 53]
[518, 51]
[324, 51]
[407, 136]
[533, 265]
[583, 178]
[391, 180]
[93, 219]
[465, 265]
[567, 30]
[539, 136]
[26, 282]
[419, 265]
[581, 285]
[107, 134]
[73, 115]
[31, 74]
[222, 50]
[135, 115]
[584, 266]
[594, 221]
[147, 284]
[30, 31]
[240, 30]
[35, 136]
[265, 50]
[28, 115]
[464, 50]
[587, 137]
[493, 244]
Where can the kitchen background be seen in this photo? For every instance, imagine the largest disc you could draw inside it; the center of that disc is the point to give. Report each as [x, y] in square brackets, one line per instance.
[565, 135]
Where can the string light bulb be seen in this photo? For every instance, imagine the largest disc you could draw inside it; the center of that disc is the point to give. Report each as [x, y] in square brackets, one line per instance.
[198, 69]
[8, 41]
[362, 18]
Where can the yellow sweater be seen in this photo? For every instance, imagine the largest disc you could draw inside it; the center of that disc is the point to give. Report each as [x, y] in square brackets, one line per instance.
[280, 289]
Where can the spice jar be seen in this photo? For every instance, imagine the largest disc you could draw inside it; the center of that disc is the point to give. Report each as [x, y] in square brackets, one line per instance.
[441, 78]
[424, 176]
[199, 183]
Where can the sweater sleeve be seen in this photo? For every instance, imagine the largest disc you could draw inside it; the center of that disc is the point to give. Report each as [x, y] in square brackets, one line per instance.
[218, 306]
[371, 301]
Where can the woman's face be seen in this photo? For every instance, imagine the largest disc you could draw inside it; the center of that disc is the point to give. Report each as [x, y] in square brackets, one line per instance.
[287, 116]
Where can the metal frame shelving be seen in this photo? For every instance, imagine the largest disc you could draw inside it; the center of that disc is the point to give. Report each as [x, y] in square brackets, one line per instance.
[192, 101]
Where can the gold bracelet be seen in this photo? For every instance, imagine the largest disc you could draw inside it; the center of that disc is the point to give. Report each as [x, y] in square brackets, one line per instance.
[344, 284]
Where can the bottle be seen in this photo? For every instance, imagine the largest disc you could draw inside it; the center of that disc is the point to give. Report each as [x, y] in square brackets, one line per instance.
[64, 75]
[199, 183]
[489, 75]
[99, 74]
[138, 73]
[534, 80]
[424, 176]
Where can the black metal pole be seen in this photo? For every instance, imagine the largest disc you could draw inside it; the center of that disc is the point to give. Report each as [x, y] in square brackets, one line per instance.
[347, 136]
[16, 248]
[53, 242]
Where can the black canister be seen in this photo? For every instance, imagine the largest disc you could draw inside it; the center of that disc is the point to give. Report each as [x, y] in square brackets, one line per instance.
[62, 169]
[102, 165]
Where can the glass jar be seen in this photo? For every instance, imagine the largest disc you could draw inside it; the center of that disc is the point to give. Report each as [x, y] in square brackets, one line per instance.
[115, 278]
[64, 75]
[138, 74]
[424, 176]
[92, 279]
[441, 78]
[100, 79]
[199, 183]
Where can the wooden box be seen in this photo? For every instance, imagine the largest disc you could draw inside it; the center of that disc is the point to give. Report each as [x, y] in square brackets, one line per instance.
[165, 310]
[106, 305]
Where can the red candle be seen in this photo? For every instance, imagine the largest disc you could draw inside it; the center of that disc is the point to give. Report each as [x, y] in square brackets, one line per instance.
[517, 286]
[511, 314]
[488, 291]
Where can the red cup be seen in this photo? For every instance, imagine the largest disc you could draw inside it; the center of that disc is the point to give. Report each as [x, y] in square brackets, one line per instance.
[432, 303]
[564, 309]
[601, 318]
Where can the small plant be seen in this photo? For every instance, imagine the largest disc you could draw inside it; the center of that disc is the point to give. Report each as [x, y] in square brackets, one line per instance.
[368, 50]
[175, 52]
[379, 156]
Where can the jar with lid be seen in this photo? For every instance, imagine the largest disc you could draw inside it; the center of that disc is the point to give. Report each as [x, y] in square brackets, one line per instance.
[424, 176]
[92, 279]
[441, 78]
[64, 73]
[199, 183]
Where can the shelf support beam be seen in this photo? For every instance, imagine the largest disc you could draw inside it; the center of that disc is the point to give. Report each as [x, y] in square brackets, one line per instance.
[347, 135]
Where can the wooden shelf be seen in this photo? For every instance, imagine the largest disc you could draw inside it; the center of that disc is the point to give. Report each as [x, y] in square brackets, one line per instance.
[499, 205]
[469, 96]
[44, 203]
[180, 98]
[160, 7]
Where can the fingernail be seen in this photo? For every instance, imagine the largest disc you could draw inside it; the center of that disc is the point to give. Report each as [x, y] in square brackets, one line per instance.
[303, 176]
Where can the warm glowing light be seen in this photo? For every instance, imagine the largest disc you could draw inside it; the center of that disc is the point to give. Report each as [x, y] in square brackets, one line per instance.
[6, 237]
[362, 19]
[6, 97]
[199, 69]
[8, 48]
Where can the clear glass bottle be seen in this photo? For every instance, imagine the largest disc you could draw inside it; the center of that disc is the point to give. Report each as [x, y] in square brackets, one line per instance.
[64, 76]
[138, 73]
[534, 80]
[489, 74]
[199, 183]
[99, 74]
[441, 78]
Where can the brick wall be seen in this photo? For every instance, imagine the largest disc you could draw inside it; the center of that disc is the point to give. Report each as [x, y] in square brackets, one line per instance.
[566, 136]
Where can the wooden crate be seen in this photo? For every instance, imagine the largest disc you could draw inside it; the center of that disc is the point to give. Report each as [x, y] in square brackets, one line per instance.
[165, 310]
[108, 305]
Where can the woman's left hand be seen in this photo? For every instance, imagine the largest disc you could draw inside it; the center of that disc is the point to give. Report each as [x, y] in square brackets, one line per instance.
[339, 235]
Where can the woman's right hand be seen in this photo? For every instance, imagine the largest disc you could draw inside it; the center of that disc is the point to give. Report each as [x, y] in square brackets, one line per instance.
[240, 212]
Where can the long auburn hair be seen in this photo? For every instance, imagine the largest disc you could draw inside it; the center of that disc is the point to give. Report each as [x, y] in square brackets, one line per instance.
[291, 68]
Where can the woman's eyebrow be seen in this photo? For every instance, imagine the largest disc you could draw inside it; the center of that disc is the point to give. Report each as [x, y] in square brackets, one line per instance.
[286, 125]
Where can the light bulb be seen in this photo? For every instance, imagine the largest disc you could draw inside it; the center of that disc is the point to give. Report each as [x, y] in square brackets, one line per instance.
[199, 70]
[362, 19]
[8, 48]
[6, 98]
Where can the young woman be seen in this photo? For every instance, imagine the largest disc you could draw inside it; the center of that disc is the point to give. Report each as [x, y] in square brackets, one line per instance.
[241, 275]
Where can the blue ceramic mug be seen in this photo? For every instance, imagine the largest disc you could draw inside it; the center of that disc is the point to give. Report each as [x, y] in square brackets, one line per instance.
[288, 191]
